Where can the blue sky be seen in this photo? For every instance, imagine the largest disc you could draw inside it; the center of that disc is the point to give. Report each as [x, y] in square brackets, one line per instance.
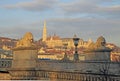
[86, 18]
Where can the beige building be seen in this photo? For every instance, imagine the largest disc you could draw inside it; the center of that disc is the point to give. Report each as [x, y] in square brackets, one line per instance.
[56, 41]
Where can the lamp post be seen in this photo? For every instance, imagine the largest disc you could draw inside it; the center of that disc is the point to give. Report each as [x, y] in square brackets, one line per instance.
[76, 40]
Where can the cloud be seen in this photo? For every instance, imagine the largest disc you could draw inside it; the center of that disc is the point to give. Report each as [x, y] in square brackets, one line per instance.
[18, 32]
[78, 6]
[34, 5]
[92, 7]
[111, 9]
[83, 26]
[75, 7]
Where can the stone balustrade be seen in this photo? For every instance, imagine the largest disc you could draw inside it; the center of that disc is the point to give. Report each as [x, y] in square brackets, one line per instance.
[80, 66]
[5, 63]
[74, 76]
[52, 70]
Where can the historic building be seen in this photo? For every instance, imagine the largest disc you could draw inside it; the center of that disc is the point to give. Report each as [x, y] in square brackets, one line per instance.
[55, 41]
[7, 43]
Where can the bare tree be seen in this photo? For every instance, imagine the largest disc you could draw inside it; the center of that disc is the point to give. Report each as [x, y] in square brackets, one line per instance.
[104, 70]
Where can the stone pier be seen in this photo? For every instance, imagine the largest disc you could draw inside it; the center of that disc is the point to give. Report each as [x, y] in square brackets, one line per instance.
[24, 63]
[24, 59]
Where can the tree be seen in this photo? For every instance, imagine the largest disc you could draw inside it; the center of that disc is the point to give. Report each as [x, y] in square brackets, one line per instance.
[104, 70]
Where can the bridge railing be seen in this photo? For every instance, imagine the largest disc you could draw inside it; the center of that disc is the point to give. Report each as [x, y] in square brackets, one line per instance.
[5, 63]
[75, 76]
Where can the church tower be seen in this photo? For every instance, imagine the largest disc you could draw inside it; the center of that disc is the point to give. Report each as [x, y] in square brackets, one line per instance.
[44, 36]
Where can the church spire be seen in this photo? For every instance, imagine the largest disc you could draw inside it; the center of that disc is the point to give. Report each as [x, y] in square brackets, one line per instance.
[44, 32]
[44, 23]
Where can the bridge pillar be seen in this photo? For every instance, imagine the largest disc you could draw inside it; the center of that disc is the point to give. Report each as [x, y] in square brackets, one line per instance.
[24, 64]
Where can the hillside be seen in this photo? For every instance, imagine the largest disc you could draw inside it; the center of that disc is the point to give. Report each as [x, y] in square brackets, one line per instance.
[7, 42]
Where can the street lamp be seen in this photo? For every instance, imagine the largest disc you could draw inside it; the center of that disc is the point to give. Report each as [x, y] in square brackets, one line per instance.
[76, 40]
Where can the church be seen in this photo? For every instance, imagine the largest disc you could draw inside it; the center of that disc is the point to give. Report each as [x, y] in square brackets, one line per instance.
[57, 42]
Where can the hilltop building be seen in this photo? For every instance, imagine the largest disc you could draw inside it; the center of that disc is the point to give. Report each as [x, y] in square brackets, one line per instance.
[7, 43]
[57, 42]
[55, 46]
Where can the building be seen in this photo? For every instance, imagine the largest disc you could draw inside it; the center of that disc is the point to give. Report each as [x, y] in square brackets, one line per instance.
[7, 43]
[56, 41]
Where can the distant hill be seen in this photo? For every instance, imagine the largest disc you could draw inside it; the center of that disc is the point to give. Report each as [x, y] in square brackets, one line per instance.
[8, 42]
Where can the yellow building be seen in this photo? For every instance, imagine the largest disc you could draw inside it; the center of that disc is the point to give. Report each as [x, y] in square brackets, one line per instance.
[56, 41]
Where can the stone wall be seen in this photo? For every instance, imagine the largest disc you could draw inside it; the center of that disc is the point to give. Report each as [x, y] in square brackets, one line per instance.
[81, 66]
[74, 76]
[4, 76]
[65, 71]
[24, 58]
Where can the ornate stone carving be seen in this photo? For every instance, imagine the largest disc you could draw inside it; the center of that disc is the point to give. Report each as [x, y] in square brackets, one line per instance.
[26, 41]
[100, 42]
[91, 45]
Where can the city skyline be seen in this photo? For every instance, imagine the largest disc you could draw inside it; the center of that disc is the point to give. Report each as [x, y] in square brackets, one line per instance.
[86, 18]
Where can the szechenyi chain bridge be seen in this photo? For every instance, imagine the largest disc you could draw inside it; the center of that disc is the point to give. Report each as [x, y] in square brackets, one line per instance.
[25, 64]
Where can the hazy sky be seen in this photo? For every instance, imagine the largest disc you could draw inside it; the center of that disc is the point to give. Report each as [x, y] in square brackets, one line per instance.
[86, 18]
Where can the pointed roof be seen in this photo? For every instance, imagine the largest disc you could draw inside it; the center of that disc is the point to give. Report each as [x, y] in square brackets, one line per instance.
[44, 23]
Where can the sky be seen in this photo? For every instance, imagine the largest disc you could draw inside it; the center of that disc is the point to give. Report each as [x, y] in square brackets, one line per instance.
[88, 19]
